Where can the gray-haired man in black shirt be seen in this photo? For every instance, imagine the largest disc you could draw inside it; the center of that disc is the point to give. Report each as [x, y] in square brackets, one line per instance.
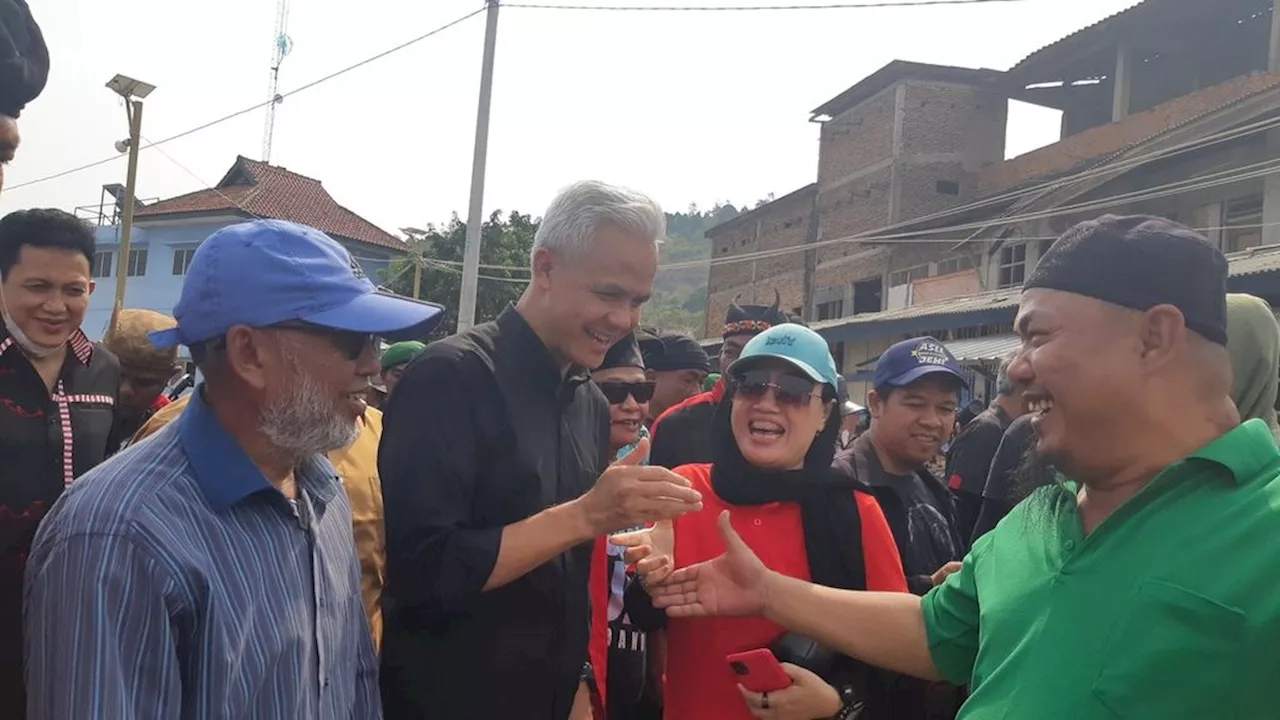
[490, 455]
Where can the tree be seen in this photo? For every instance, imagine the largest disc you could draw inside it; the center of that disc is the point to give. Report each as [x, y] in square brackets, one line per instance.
[504, 243]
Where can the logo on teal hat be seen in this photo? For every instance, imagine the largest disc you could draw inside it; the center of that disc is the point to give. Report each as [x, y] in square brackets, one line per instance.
[797, 345]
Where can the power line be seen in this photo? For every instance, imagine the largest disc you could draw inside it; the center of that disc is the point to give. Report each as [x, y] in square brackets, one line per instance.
[1202, 182]
[258, 106]
[750, 8]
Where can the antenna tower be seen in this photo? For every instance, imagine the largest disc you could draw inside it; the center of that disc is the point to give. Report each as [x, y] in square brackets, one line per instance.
[281, 45]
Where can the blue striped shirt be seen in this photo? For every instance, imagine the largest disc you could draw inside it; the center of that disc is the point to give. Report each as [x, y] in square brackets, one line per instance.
[173, 581]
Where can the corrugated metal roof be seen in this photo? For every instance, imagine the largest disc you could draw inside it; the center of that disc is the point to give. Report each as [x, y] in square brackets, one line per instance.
[1255, 261]
[992, 347]
[969, 303]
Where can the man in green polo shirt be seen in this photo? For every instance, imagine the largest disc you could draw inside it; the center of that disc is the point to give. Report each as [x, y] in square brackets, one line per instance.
[1141, 582]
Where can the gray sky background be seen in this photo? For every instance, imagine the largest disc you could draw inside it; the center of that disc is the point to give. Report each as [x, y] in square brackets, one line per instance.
[688, 106]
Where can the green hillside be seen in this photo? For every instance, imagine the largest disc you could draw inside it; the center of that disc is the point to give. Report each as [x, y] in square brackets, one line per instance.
[680, 296]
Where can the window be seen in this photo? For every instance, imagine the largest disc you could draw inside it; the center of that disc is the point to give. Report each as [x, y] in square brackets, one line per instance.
[866, 296]
[905, 277]
[137, 262]
[1013, 265]
[1243, 220]
[837, 354]
[955, 265]
[182, 260]
[831, 310]
[102, 262]
[947, 187]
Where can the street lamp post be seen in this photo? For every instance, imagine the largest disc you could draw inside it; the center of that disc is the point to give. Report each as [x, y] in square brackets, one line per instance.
[133, 92]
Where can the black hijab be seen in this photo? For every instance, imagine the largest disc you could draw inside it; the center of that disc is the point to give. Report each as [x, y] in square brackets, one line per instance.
[828, 508]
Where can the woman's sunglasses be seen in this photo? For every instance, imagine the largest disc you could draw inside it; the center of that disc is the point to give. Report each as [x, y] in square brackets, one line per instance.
[787, 389]
[616, 392]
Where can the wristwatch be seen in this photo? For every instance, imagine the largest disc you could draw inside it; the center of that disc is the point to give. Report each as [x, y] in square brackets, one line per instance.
[852, 704]
[589, 677]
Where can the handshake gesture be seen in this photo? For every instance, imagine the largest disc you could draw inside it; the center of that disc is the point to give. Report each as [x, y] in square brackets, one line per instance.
[630, 494]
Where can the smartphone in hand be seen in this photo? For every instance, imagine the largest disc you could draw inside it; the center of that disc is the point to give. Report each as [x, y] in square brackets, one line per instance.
[758, 671]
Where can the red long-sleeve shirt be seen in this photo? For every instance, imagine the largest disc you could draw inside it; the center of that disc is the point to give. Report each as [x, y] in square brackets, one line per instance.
[699, 684]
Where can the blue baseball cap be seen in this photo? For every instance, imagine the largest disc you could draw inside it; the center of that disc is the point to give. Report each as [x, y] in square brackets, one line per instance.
[267, 272]
[798, 346]
[910, 360]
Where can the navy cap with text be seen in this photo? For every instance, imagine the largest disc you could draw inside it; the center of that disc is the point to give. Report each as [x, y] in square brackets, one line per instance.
[910, 360]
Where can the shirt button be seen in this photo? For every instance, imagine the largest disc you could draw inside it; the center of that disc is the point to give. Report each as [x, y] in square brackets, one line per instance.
[1069, 545]
[758, 522]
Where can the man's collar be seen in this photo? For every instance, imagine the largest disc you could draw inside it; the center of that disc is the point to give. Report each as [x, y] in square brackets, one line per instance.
[539, 360]
[1245, 451]
[80, 345]
[224, 471]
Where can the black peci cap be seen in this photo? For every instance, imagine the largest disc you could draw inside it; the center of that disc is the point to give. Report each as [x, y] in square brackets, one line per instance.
[24, 59]
[1138, 262]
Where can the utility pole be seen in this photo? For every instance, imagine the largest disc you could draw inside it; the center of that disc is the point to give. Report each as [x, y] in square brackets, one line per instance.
[417, 278]
[475, 215]
[133, 91]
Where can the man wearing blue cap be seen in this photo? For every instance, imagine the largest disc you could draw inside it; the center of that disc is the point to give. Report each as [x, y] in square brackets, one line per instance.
[913, 410]
[209, 571]
[916, 391]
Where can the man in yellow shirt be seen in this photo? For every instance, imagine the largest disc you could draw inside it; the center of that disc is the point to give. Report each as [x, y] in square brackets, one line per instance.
[357, 465]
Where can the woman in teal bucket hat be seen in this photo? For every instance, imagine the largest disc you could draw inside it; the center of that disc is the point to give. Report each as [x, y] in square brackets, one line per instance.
[774, 439]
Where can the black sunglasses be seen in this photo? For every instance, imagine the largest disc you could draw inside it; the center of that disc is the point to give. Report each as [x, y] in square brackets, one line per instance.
[787, 389]
[616, 392]
[349, 343]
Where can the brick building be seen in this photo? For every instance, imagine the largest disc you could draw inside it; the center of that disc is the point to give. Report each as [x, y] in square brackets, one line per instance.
[904, 143]
[917, 223]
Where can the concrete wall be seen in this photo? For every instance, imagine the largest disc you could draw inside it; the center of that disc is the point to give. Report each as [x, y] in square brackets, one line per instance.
[784, 224]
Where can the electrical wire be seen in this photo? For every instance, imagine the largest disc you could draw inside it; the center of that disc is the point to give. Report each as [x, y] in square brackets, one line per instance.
[1229, 176]
[750, 8]
[258, 106]
[883, 236]
[1207, 181]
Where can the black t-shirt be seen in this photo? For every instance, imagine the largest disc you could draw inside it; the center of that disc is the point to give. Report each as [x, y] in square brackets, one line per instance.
[682, 436]
[484, 431]
[919, 509]
[628, 645]
[970, 459]
[1000, 494]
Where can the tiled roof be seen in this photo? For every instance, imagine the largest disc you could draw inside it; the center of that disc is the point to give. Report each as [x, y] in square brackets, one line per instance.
[1099, 142]
[266, 191]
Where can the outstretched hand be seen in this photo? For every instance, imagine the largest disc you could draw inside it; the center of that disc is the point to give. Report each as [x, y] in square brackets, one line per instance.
[651, 551]
[731, 584]
[630, 493]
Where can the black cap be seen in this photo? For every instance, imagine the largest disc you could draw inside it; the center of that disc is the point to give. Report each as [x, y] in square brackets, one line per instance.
[24, 59]
[624, 353]
[753, 319]
[668, 351]
[1138, 262]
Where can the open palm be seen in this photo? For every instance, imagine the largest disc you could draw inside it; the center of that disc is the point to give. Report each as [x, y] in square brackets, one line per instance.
[731, 584]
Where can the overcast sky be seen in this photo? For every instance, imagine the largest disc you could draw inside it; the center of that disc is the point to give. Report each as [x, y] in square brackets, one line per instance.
[688, 106]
